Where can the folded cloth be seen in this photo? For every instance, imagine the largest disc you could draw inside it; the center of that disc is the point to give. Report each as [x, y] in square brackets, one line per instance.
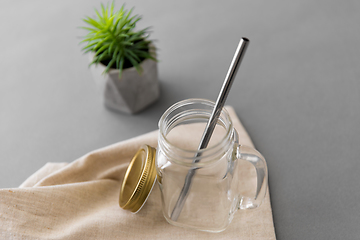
[80, 200]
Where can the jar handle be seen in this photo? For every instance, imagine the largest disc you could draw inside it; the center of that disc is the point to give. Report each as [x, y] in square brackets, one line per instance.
[258, 161]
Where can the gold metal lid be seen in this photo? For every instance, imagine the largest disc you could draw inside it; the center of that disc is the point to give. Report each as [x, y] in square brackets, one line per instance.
[139, 179]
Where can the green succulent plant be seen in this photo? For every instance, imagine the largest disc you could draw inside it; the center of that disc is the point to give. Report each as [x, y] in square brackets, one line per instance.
[113, 40]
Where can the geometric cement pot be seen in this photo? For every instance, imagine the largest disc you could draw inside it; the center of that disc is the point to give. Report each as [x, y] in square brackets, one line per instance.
[132, 92]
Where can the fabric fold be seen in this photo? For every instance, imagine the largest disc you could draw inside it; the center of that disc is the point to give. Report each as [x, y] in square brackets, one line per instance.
[79, 200]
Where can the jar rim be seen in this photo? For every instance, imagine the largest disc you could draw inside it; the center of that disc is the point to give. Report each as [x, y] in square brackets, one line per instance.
[206, 102]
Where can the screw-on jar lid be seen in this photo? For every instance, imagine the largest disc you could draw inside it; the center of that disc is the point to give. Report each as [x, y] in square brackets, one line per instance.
[139, 179]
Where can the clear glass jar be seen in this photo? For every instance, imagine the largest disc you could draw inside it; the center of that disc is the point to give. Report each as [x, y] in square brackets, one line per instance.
[214, 192]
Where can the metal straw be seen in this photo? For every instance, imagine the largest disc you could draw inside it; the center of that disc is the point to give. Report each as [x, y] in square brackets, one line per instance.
[229, 79]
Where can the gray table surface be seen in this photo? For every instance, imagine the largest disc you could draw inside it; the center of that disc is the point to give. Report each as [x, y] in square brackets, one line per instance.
[297, 93]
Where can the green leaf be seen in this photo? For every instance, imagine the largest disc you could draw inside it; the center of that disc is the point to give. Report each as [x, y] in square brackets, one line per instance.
[103, 11]
[118, 59]
[129, 13]
[112, 8]
[99, 15]
[117, 49]
[105, 40]
[103, 56]
[98, 46]
[142, 54]
[135, 38]
[101, 49]
[122, 8]
[89, 50]
[121, 66]
[133, 55]
[109, 22]
[109, 65]
[132, 60]
[89, 29]
[111, 47]
[100, 34]
[107, 11]
[116, 23]
[139, 69]
[92, 22]
[126, 43]
[90, 45]
[131, 22]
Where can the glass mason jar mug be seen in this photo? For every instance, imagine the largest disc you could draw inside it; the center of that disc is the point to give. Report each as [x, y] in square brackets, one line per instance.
[200, 189]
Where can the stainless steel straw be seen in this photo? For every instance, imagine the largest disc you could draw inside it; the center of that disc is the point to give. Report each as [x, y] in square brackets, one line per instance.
[229, 79]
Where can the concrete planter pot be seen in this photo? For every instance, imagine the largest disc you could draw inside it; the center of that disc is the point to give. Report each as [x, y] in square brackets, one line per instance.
[131, 93]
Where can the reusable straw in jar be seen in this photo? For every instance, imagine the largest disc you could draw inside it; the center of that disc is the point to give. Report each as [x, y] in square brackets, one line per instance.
[209, 129]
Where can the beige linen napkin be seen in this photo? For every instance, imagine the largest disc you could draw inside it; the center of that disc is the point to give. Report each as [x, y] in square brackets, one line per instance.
[79, 200]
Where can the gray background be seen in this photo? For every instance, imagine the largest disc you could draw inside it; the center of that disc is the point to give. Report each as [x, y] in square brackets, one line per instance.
[297, 93]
